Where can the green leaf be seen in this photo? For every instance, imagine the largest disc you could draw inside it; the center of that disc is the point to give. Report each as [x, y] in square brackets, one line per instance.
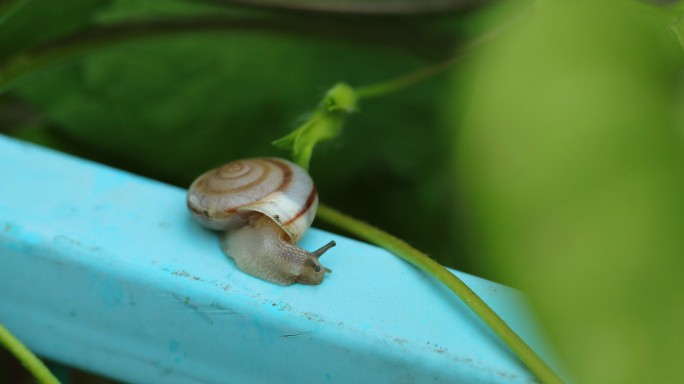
[324, 123]
[340, 97]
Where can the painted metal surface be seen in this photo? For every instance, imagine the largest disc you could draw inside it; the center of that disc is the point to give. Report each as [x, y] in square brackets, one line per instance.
[107, 271]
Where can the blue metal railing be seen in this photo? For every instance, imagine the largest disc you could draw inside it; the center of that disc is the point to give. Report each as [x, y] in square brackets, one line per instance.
[106, 271]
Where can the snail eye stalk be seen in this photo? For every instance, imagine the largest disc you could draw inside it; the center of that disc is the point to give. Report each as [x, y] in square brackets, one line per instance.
[320, 251]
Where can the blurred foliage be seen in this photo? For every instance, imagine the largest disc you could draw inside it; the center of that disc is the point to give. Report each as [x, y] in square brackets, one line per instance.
[551, 159]
[571, 153]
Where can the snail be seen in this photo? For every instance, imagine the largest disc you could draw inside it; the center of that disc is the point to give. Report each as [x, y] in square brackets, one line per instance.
[263, 206]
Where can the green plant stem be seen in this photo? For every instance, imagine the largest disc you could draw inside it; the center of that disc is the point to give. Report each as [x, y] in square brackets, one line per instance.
[410, 79]
[399, 83]
[32, 363]
[456, 285]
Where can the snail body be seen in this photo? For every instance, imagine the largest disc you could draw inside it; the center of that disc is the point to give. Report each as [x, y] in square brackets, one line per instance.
[263, 206]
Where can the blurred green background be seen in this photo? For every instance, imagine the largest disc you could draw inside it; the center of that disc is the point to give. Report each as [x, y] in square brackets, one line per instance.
[548, 158]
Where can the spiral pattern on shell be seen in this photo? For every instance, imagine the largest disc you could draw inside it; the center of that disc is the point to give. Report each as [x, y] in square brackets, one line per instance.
[226, 197]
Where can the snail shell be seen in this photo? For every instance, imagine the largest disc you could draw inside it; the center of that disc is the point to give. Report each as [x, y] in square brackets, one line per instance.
[264, 206]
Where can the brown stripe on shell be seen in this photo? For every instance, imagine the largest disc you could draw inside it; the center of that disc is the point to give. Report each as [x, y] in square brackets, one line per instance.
[309, 202]
[245, 187]
[205, 181]
[287, 178]
[287, 174]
